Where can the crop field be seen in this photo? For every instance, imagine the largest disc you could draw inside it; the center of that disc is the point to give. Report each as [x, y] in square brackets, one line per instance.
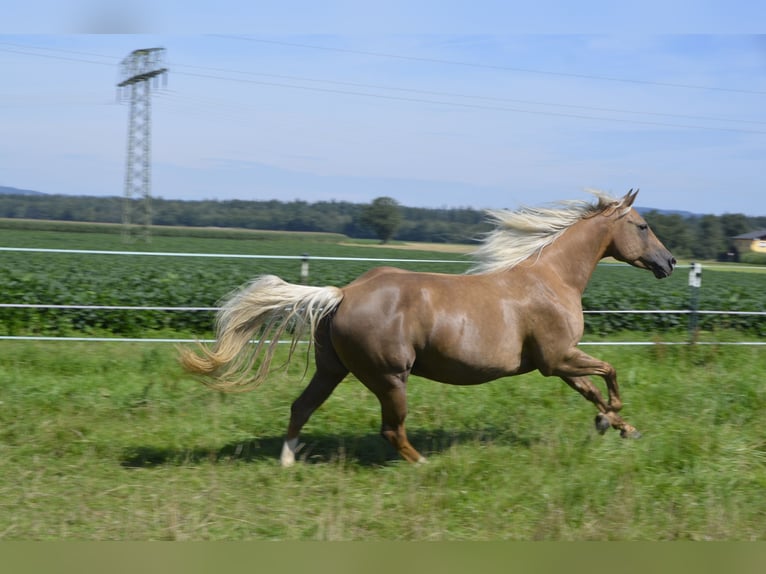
[112, 441]
[44, 278]
[69, 279]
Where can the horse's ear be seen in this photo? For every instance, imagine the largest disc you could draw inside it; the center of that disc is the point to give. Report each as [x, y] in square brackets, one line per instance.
[629, 198]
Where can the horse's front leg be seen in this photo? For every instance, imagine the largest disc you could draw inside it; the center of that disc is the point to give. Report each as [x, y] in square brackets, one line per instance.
[574, 370]
[576, 363]
[606, 417]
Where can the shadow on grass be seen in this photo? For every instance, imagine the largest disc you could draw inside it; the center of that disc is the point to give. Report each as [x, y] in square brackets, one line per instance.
[367, 450]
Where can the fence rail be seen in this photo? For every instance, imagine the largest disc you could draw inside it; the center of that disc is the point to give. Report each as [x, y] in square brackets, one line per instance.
[104, 307]
[228, 255]
[187, 340]
[160, 308]
[299, 257]
[305, 258]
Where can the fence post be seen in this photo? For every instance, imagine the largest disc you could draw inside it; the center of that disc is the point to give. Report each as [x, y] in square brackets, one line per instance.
[695, 282]
[305, 269]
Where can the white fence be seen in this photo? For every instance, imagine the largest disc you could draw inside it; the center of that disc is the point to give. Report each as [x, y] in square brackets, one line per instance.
[303, 259]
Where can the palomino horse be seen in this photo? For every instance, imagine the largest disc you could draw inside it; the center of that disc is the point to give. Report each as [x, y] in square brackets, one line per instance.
[518, 310]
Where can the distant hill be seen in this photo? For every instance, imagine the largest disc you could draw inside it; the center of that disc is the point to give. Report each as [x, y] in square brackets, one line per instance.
[16, 191]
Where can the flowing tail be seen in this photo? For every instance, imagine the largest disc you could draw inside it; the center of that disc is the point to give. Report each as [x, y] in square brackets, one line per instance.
[265, 308]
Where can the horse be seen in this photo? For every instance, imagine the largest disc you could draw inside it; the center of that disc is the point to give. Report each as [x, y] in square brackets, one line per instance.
[518, 309]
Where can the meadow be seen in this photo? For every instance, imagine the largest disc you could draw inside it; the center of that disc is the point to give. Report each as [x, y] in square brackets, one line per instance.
[112, 441]
[107, 441]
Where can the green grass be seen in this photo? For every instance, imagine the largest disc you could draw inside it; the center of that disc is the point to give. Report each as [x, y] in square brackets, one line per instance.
[113, 442]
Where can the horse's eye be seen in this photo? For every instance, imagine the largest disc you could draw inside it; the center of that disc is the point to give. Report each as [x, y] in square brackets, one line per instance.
[643, 226]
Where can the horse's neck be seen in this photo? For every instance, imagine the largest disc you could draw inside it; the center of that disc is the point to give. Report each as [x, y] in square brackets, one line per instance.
[576, 253]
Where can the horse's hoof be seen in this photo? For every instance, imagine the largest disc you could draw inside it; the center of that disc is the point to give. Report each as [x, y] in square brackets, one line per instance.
[602, 423]
[632, 433]
[289, 448]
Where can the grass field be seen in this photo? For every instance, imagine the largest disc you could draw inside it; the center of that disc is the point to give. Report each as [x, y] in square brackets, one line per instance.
[112, 442]
[109, 441]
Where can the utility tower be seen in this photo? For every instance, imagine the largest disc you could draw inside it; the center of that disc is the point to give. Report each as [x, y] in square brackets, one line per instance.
[139, 72]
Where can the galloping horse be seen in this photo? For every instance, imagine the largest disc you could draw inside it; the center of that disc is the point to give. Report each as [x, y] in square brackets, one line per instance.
[518, 310]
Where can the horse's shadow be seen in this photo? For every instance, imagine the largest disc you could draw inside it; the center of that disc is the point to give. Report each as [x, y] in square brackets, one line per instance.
[366, 450]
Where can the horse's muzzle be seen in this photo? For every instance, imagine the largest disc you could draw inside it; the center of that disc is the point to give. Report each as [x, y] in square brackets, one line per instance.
[663, 267]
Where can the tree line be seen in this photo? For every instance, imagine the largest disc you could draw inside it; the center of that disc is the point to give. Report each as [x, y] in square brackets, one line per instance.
[699, 236]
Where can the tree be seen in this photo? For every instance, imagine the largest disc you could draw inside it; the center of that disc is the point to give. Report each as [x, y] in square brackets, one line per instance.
[709, 240]
[383, 217]
[674, 231]
[734, 224]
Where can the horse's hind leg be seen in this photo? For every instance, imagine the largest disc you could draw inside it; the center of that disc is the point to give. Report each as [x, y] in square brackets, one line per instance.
[391, 392]
[330, 372]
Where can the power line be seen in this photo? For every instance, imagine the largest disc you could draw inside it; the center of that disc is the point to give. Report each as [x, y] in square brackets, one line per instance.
[391, 88]
[466, 96]
[470, 106]
[490, 66]
[62, 50]
[53, 56]
[218, 76]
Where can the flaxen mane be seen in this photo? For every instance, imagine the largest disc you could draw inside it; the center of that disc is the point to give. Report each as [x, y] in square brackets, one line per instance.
[524, 232]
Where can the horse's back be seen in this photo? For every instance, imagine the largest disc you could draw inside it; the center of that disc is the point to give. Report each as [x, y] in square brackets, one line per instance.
[376, 272]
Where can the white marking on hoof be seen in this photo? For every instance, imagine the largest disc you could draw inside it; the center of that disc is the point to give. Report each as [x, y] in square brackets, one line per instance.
[289, 448]
[422, 460]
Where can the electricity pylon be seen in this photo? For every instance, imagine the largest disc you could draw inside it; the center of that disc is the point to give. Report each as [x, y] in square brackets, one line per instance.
[138, 72]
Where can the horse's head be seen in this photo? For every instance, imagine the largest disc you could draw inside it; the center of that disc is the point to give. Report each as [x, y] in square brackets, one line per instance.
[635, 243]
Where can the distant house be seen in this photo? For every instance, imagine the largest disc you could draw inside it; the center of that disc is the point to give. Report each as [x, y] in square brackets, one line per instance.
[753, 241]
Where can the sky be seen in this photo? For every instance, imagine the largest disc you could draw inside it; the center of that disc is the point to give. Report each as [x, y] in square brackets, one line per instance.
[441, 107]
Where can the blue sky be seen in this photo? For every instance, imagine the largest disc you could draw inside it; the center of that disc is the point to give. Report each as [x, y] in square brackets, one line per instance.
[456, 110]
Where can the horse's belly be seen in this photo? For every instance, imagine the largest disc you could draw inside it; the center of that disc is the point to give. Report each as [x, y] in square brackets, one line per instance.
[462, 371]
[456, 377]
